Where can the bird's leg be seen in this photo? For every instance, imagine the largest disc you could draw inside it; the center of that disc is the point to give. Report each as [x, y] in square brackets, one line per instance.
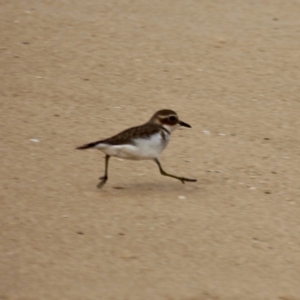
[105, 177]
[162, 172]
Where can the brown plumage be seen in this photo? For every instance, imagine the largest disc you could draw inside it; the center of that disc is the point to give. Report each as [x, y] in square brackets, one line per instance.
[128, 136]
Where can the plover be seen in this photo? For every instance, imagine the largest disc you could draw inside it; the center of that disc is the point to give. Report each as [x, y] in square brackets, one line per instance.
[142, 142]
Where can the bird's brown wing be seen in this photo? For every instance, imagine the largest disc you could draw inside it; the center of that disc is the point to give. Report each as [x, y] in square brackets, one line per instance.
[127, 136]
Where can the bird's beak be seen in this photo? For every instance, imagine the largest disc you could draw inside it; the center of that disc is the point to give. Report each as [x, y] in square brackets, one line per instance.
[181, 123]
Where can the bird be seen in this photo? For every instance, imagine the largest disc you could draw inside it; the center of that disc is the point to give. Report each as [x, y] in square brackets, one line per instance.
[143, 142]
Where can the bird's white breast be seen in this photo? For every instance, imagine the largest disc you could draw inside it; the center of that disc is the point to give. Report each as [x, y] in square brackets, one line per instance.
[141, 148]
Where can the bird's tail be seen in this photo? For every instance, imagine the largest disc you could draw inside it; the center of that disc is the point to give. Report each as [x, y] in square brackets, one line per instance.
[87, 146]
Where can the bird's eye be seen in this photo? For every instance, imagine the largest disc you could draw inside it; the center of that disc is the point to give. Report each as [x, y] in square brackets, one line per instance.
[172, 119]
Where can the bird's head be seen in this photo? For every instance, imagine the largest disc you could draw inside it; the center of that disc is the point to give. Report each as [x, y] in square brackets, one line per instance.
[168, 119]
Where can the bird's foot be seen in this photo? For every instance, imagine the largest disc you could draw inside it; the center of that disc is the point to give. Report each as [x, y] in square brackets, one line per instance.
[102, 182]
[183, 180]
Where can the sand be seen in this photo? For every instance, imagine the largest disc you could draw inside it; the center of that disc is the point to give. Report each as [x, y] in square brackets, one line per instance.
[76, 71]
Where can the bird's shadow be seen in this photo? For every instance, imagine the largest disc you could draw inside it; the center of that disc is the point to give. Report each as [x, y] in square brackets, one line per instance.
[152, 187]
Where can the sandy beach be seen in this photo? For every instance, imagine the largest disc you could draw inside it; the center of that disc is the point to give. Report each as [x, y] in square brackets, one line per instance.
[73, 72]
